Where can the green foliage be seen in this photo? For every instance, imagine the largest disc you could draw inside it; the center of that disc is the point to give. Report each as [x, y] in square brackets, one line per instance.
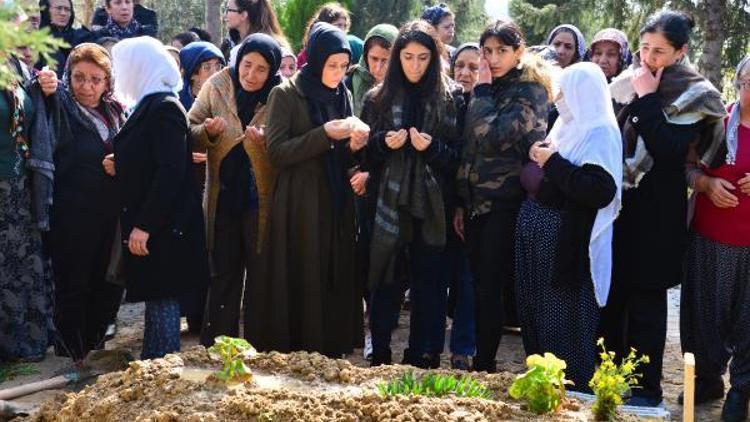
[543, 385]
[434, 385]
[8, 371]
[369, 13]
[611, 381]
[231, 351]
[14, 33]
[297, 13]
[176, 16]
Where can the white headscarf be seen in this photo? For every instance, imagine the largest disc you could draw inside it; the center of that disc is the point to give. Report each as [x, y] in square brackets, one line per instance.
[592, 137]
[142, 66]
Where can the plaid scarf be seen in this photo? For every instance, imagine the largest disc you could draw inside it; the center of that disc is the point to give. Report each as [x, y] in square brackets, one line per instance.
[132, 30]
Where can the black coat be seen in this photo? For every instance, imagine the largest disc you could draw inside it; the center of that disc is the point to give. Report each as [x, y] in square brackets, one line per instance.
[651, 233]
[158, 195]
[579, 192]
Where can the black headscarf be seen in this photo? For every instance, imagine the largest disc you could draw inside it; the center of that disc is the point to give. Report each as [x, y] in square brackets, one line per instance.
[326, 104]
[247, 101]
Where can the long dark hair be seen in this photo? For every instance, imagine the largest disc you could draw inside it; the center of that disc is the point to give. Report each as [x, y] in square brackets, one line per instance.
[424, 34]
[262, 18]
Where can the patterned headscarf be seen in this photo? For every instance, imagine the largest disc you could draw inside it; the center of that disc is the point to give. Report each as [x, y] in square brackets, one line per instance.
[618, 37]
[434, 14]
[577, 34]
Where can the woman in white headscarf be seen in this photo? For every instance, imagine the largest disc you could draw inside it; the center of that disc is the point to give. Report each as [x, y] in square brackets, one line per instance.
[160, 213]
[564, 231]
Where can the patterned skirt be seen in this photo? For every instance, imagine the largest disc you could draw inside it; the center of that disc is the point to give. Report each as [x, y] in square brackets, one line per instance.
[26, 285]
[557, 319]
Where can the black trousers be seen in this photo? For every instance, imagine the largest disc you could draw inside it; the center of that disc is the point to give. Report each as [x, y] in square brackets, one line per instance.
[637, 318]
[233, 257]
[84, 300]
[490, 242]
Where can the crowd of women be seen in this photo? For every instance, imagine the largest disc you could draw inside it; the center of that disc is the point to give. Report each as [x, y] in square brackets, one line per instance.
[562, 188]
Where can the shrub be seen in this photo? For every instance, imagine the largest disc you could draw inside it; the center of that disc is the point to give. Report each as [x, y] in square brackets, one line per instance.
[543, 384]
[232, 351]
[611, 381]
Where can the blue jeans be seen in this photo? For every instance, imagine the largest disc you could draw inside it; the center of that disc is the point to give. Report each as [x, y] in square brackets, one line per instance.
[462, 295]
[161, 331]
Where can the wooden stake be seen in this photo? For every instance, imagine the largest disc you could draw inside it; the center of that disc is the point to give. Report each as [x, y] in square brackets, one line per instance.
[688, 396]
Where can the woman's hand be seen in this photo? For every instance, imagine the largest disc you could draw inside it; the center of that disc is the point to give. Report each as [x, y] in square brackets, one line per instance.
[199, 157]
[458, 223]
[215, 126]
[420, 141]
[256, 135]
[718, 191]
[338, 129]
[645, 82]
[137, 244]
[358, 140]
[744, 184]
[359, 182]
[47, 81]
[109, 164]
[396, 139]
[541, 151]
[485, 73]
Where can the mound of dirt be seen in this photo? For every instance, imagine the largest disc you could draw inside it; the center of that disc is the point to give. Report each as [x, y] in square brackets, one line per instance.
[285, 387]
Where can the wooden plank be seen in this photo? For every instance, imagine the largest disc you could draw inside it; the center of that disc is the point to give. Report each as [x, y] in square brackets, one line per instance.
[688, 397]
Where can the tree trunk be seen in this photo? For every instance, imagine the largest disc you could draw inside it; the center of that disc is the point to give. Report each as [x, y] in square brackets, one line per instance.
[213, 19]
[709, 64]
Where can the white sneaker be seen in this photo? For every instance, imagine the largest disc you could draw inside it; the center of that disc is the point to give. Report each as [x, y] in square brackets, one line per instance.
[367, 352]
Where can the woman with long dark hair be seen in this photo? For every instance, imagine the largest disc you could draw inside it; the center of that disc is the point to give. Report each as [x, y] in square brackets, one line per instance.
[414, 122]
[507, 114]
[245, 17]
[307, 297]
[666, 106]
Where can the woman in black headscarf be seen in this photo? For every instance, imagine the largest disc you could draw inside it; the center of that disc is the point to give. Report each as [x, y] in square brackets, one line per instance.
[228, 119]
[309, 299]
[59, 16]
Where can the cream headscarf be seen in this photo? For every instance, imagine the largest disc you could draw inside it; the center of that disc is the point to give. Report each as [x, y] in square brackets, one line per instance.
[592, 137]
[142, 66]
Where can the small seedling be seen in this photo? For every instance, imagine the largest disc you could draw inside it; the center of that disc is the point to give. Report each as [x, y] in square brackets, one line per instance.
[232, 351]
[543, 384]
[611, 381]
[434, 385]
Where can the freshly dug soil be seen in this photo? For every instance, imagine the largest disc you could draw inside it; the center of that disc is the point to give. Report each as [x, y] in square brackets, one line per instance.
[286, 387]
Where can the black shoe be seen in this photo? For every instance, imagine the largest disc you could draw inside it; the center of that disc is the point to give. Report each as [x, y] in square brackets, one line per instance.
[424, 361]
[644, 401]
[460, 362]
[706, 390]
[735, 406]
[380, 359]
[482, 365]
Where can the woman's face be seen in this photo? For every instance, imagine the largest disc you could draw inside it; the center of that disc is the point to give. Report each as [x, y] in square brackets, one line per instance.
[415, 60]
[203, 72]
[501, 58]
[606, 55]
[288, 66]
[377, 61]
[254, 70]
[446, 29]
[88, 82]
[564, 44]
[656, 52]
[466, 69]
[60, 12]
[121, 11]
[233, 16]
[334, 69]
[744, 94]
[342, 24]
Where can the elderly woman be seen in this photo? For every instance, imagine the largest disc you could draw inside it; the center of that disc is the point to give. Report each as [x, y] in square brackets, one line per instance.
[160, 211]
[610, 51]
[715, 311]
[569, 44]
[122, 23]
[26, 286]
[84, 216]
[309, 300]
[60, 16]
[228, 118]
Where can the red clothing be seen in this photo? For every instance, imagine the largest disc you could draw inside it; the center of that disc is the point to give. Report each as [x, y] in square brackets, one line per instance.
[301, 58]
[730, 226]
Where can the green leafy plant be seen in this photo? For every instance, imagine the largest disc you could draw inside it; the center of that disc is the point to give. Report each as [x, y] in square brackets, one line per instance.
[435, 385]
[543, 384]
[611, 381]
[232, 351]
[8, 371]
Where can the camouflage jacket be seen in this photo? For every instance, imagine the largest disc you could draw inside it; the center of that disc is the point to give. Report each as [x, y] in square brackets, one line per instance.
[502, 122]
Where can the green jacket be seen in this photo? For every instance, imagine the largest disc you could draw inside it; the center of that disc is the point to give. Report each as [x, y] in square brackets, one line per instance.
[361, 79]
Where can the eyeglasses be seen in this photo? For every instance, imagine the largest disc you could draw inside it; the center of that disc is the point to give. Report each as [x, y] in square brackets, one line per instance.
[62, 9]
[95, 81]
[743, 86]
[208, 67]
[229, 9]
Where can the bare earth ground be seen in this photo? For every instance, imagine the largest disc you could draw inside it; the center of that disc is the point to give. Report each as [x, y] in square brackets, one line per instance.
[510, 358]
